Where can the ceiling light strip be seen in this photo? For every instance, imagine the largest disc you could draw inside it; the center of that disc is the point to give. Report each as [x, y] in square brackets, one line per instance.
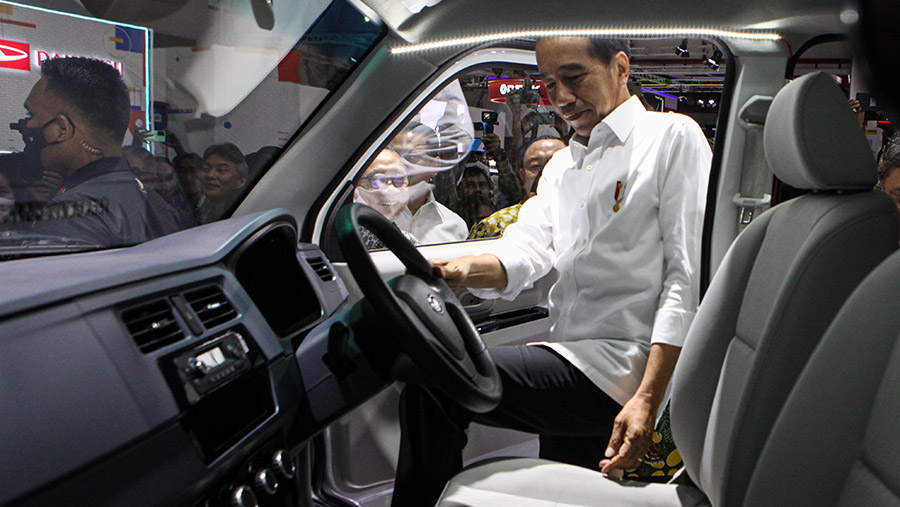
[595, 32]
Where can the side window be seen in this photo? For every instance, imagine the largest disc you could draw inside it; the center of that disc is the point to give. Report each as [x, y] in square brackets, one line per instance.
[462, 165]
[454, 168]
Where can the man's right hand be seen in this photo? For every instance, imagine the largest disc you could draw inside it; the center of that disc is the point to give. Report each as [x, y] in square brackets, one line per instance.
[453, 271]
[478, 271]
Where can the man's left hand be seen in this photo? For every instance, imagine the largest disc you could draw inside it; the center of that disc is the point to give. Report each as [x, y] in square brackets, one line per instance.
[631, 437]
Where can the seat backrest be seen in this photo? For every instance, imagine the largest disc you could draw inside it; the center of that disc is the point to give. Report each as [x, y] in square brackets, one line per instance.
[779, 286]
[833, 443]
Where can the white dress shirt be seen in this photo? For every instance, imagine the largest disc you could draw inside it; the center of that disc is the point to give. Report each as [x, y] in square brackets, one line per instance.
[628, 278]
[433, 223]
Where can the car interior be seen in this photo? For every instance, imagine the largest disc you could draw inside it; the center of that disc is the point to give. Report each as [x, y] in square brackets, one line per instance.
[257, 359]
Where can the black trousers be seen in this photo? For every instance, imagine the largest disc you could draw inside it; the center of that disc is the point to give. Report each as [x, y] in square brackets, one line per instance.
[542, 393]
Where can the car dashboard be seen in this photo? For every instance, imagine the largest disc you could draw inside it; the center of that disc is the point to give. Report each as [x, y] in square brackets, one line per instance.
[186, 371]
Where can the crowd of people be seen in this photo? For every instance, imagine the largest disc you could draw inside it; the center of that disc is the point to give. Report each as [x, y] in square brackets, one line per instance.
[481, 189]
[75, 180]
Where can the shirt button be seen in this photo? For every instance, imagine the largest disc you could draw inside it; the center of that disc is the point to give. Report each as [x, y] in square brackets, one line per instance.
[583, 242]
[581, 204]
[590, 167]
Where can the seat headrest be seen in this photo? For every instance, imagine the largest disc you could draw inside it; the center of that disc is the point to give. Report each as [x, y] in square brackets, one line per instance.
[812, 140]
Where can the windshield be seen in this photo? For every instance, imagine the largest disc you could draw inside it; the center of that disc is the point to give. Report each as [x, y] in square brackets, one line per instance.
[131, 120]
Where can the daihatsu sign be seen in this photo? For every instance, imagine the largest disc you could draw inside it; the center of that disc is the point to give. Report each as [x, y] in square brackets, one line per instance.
[29, 36]
[14, 55]
[41, 56]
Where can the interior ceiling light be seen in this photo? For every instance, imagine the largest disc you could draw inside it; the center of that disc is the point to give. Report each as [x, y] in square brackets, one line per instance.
[614, 33]
[682, 50]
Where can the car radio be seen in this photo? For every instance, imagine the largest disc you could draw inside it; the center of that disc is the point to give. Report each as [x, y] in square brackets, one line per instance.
[211, 364]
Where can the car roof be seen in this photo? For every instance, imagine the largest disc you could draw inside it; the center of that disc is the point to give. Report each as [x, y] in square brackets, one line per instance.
[795, 20]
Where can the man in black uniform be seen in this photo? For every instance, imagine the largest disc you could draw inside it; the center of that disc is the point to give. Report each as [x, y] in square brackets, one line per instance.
[78, 113]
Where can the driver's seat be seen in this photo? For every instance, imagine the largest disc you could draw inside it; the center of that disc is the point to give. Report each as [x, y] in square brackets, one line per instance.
[767, 307]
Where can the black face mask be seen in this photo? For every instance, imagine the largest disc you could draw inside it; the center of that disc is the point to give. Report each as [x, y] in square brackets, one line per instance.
[34, 144]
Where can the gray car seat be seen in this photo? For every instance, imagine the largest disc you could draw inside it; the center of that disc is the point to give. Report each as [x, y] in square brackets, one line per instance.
[768, 305]
[834, 443]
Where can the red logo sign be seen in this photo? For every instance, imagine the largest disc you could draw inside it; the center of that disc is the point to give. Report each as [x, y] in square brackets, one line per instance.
[498, 89]
[14, 55]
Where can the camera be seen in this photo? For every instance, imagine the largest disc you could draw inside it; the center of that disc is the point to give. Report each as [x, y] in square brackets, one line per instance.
[488, 120]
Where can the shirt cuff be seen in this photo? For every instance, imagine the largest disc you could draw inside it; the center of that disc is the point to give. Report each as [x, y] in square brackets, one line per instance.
[670, 326]
[519, 275]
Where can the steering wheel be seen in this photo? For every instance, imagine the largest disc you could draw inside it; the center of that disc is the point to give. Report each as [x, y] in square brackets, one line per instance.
[427, 321]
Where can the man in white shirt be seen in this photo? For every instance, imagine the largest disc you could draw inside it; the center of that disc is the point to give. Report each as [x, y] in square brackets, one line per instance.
[619, 214]
[424, 217]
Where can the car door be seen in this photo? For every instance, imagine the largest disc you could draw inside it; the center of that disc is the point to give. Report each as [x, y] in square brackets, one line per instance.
[357, 454]
[360, 450]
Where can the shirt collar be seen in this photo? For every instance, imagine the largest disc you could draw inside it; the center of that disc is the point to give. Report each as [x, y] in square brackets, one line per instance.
[620, 122]
[92, 170]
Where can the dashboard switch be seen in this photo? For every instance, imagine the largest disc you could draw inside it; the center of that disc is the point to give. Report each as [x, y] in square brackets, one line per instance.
[264, 480]
[283, 465]
[243, 496]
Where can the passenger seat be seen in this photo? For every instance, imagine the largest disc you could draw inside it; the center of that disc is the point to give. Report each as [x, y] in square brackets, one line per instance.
[768, 305]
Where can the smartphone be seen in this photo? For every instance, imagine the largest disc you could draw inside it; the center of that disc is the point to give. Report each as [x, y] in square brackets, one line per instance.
[866, 101]
[156, 136]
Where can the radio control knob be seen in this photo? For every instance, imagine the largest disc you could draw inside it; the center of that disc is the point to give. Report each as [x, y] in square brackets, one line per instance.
[234, 351]
[195, 367]
[283, 465]
[264, 480]
[243, 496]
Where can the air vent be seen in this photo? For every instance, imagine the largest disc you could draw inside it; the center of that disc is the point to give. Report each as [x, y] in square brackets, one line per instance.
[321, 268]
[152, 325]
[211, 306]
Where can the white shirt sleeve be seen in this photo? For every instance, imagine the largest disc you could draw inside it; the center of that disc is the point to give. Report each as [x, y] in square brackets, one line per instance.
[682, 185]
[526, 247]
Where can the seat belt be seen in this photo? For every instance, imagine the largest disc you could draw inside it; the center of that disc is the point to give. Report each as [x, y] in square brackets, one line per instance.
[756, 177]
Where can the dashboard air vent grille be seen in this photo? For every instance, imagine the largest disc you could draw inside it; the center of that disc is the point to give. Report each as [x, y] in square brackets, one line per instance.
[321, 268]
[211, 306]
[152, 325]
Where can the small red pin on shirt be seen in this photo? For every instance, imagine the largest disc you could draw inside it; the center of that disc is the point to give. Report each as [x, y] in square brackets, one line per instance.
[620, 194]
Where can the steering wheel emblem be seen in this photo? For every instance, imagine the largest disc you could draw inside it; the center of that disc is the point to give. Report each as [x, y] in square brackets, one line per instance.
[435, 304]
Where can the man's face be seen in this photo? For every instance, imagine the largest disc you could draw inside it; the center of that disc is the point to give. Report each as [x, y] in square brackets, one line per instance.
[167, 183]
[476, 184]
[188, 176]
[384, 185]
[220, 177]
[892, 186]
[582, 88]
[38, 104]
[536, 157]
[41, 109]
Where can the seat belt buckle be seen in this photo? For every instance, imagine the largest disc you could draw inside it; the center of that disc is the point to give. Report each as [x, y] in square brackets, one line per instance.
[749, 205]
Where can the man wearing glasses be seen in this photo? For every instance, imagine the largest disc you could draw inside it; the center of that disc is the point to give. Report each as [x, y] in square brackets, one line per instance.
[384, 186]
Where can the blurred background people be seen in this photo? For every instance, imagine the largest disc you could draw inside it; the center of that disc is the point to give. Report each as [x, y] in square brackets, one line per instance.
[169, 187]
[142, 164]
[475, 181]
[889, 169]
[7, 201]
[187, 167]
[261, 159]
[530, 162]
[474, 208]
[222, 177]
